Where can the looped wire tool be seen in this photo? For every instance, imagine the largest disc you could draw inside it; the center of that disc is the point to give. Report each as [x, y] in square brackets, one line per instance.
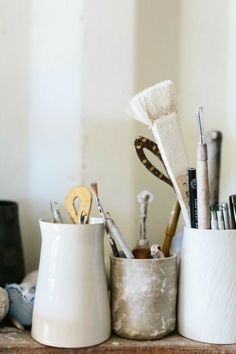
[82, 213]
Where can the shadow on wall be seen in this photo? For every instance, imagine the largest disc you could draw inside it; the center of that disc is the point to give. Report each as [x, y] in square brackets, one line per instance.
[204, 74]
[14, 111]
[156, 59]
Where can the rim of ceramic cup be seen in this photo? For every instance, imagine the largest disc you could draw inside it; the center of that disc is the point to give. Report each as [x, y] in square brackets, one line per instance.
[209, 230]
[92, 221]
[123, 259]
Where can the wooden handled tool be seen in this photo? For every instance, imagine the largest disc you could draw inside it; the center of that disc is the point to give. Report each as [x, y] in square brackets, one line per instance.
[202, 179]
[84, 195]
[171, 228]
[214, 141]
[114, 248]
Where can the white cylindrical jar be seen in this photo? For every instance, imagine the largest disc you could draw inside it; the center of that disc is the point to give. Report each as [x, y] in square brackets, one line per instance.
[207, 286]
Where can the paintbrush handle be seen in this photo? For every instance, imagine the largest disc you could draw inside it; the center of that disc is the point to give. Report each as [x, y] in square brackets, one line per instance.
[169, 139]
[142, 143]
[214, 141]
[110, 238]
[171, 228]
[202, 187]
[116, 233]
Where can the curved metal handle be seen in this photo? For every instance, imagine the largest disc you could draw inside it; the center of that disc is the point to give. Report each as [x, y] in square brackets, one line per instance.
[142, 143]
[84, 194]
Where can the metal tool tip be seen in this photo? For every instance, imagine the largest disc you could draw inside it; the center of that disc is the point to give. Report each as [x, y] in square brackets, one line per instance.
[199, 115]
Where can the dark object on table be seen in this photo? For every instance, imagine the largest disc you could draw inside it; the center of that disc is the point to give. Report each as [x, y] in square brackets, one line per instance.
[12, 268]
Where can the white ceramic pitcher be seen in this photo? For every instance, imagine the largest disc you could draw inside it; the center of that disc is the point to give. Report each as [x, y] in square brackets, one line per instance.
[71, 302]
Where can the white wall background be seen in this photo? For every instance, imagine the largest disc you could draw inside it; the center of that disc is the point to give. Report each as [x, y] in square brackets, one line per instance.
[67, 72]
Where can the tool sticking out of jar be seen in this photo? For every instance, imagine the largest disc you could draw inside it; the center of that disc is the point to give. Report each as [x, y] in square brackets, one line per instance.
[156, 251]
[142, 250]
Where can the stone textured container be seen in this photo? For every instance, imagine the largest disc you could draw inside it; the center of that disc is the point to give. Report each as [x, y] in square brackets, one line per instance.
[143, 297]
[207, 286]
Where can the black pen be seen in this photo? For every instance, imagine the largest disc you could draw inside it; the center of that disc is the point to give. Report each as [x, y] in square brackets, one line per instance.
[192, 183]
[232, 207]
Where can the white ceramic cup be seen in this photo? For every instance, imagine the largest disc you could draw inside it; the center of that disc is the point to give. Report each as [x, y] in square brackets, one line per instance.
[207, 286]
[71, 302]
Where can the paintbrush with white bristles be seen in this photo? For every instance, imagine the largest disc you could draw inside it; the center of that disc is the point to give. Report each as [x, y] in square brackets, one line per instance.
[156, 108]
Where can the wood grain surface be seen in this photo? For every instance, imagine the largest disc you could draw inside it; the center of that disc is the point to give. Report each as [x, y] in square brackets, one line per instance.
[20, 342]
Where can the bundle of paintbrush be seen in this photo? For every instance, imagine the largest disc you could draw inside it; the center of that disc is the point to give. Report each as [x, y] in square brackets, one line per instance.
[223, 215]
[156, 108]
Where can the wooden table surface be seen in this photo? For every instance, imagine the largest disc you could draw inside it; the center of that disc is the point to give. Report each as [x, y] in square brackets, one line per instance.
[20, 342]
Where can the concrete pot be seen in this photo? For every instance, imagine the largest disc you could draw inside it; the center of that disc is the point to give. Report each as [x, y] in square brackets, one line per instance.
[143, 297]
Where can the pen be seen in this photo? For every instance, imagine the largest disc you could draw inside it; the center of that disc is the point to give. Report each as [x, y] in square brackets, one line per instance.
[232, 203]
[192, 183]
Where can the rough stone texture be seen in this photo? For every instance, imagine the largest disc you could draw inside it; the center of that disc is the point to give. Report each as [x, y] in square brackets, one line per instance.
[143, 297]
[13, 341]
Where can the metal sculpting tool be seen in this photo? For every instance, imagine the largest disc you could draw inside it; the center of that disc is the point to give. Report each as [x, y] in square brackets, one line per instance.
[202, 177]
[116, 233]
[111, 241]
[142, 250]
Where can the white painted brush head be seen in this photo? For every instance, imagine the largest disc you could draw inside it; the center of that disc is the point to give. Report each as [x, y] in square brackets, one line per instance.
[154, 102]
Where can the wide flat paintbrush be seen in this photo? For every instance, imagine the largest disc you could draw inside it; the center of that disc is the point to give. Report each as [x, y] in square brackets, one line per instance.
[156, 108]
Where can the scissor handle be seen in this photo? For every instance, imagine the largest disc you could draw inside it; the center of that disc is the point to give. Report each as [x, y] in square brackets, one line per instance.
[142, 143]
